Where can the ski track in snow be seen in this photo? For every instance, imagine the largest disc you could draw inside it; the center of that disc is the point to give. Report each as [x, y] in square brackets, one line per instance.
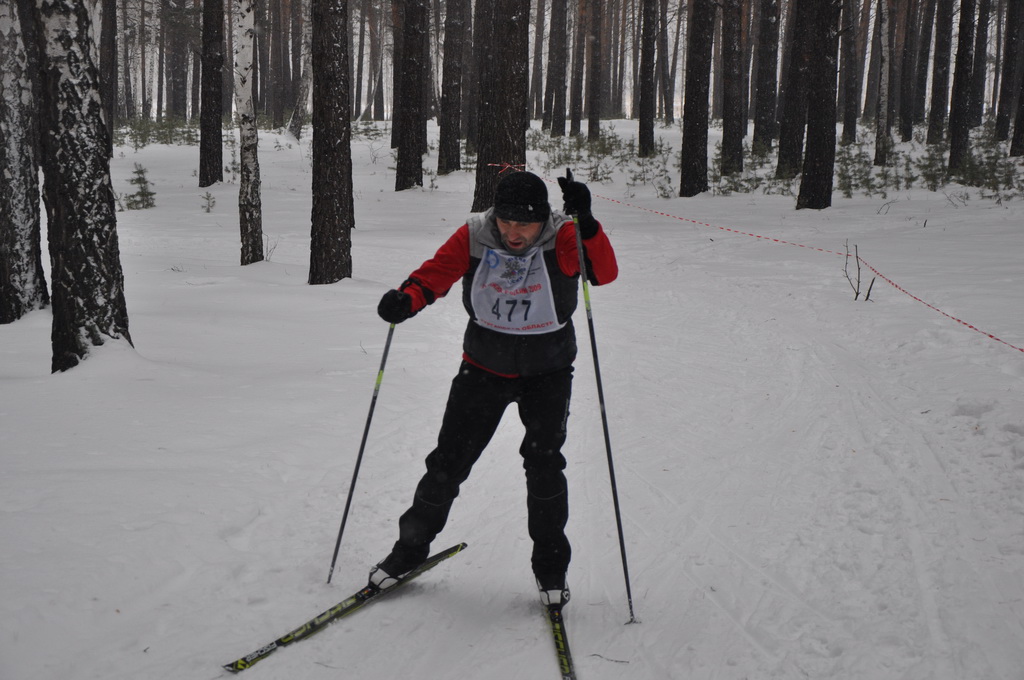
[811, 487]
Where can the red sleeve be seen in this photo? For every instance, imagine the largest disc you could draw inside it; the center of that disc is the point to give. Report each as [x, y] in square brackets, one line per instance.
[602, 266]
[436, 276]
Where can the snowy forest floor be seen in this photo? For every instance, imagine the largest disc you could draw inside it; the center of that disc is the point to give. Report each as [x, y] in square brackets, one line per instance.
[811, 486]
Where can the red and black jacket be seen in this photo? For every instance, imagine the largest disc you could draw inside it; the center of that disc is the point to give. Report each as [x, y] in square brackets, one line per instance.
[506, 354]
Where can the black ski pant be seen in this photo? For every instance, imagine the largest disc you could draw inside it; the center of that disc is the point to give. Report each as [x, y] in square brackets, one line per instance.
[476, 403]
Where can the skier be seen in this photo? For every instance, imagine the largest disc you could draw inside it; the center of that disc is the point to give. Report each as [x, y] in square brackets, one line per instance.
[519, 267]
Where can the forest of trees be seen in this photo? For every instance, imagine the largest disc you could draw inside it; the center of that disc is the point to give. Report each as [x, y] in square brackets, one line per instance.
[794, 78]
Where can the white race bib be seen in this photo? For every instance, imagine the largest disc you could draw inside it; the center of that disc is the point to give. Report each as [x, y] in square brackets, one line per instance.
[512, 293]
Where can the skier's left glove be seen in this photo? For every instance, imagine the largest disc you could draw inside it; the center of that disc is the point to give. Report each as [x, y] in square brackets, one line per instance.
[576, 201]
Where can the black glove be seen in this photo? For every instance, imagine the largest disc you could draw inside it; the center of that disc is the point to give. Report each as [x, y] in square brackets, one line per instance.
[576, 201]
[395, 306]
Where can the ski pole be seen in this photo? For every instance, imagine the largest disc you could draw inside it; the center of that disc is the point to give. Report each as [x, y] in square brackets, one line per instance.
[362, 447]
[604, 419]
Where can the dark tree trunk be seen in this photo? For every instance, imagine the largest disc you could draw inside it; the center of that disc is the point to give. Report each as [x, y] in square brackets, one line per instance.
[766, 84]
[211, 156]
[694, 154]
[557, 46]
[278, 59]
[333, 214]
[819, 158]
[108, 68]
[978, 77]
[734, 114]
[88, 284]
[22, 284]
[128, 112]
[413, 71]
[940, 72]
[1017, 143]
[848, 78]
[504, 88]
[921, 61]
[794, 114]
[448, 152]
[176, 59]
[907, 70]
[537, 77]
[959, 113]
[647, 104]
[595, 83]
[1010, 80]
[579, 50]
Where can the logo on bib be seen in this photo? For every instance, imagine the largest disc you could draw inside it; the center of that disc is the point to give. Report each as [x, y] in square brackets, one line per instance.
[515, 271]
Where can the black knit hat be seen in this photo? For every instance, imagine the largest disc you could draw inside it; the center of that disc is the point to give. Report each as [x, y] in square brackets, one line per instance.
[522, 197]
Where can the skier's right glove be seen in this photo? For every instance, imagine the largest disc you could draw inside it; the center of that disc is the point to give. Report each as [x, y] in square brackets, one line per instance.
[395, 306]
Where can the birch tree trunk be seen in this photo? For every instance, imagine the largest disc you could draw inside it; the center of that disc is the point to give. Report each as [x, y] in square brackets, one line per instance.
[88, 284]
[250, 208]
[883, 140]
[22, 286]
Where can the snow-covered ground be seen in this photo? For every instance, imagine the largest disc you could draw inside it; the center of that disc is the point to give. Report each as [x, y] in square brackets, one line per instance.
[811, 486]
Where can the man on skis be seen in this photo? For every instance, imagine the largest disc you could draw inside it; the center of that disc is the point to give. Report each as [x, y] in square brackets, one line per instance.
[519, 266]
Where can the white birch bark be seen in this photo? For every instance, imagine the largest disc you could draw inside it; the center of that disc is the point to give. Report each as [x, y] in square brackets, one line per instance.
[250, 210]
[88, 283]
[22, 287]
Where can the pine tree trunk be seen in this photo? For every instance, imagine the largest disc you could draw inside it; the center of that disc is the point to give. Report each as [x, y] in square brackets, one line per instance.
[333, 214]
[448, 151]
[694, 153]
[980, 73]
[766, 82]
[645, 114]
[940, 72]
[88, 285]
[250, 208]
[921, 61]
[300, 114]
[1010, 82]
[1017, 143]
[848, 77]
[734, 114]
[595, 83]
[794, 112]
[413, 72]
[22, 285]
[211, 154]
[537, 76]
[907, 70]
[108, 67]
[557, 46]
[576, 80]
[504, 85]
[959, 113]
[819, 157]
